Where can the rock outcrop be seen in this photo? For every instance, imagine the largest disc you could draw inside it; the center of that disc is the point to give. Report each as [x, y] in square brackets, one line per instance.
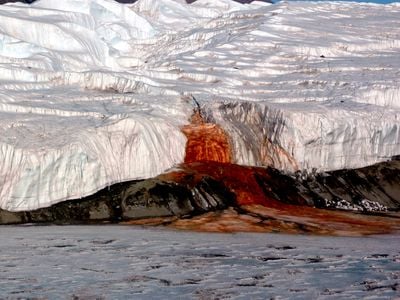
[260, 198]
[132, 200]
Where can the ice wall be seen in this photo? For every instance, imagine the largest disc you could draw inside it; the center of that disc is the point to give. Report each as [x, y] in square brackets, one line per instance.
[95, 92]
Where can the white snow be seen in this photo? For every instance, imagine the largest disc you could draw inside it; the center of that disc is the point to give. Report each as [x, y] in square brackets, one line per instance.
[93, 92]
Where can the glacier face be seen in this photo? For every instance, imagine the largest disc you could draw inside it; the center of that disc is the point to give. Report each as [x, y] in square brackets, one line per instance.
[95, 92]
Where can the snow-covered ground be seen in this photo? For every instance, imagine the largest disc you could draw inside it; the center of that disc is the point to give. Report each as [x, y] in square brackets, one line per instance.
[95, 92]
[116, 262]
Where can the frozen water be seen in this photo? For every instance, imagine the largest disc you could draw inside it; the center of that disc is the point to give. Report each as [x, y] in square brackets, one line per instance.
[93, 92]
[122, 262]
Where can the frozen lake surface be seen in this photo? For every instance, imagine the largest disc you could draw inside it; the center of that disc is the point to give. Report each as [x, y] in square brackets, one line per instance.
[124, 262]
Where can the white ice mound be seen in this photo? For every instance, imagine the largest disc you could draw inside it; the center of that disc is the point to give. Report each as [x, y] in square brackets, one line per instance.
[93, 92]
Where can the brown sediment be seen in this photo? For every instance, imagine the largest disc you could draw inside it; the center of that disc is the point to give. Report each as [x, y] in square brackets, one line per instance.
[323, 221]
[290, 220]
[206, 141]
[259, 209]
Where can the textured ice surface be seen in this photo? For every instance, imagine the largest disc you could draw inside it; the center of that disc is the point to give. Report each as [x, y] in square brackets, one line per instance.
[115, 262]
[95, 92]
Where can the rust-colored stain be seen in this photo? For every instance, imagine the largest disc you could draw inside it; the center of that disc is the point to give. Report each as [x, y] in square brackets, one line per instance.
[241, 180]
[258, 207]
[206, 141]
[256, 218]
[257, 212]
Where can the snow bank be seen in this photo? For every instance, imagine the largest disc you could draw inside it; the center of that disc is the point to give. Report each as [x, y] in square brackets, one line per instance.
[95, 92]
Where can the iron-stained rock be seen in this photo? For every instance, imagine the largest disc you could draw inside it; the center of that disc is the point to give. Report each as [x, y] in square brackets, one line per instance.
[199, 188]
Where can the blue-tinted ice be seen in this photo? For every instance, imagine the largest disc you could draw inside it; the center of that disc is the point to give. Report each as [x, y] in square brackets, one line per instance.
[123, 262]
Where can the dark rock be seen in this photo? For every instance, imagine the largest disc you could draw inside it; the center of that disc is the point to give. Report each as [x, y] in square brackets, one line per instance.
[131, 200]
[379, 184]
[198, 188]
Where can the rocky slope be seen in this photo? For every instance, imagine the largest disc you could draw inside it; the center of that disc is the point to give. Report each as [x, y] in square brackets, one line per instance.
[215, 196]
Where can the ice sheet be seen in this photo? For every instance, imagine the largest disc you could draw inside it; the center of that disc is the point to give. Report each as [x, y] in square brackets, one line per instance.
[96, 92]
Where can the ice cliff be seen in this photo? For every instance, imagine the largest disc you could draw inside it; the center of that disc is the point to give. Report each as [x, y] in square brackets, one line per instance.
[94, 92]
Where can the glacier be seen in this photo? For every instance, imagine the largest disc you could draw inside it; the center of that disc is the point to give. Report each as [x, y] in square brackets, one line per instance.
[94, 92]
